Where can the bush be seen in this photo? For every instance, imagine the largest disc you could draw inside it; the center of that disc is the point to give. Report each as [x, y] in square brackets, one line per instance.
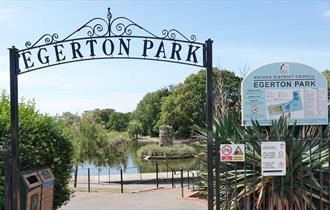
[166, 152]
[307, 158]
[43, 143]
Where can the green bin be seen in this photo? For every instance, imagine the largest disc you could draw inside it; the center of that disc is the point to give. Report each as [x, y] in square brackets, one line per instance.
[30, 190]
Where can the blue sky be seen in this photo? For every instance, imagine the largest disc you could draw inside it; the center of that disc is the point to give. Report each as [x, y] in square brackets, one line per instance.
[246, 34]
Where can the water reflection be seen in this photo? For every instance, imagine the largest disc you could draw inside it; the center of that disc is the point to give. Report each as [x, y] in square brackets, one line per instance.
[133, 164]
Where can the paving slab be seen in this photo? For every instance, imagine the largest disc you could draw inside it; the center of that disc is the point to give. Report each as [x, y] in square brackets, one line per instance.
[157, 199]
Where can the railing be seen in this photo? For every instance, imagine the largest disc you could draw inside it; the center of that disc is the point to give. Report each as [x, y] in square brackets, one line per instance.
[180, 176]
[306, 184]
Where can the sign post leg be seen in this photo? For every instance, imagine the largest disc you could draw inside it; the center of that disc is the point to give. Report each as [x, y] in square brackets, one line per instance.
[13, 191]
[209, 118]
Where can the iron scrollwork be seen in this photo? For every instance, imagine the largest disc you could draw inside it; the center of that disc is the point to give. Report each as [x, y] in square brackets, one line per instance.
[171, 34]
[109, 27]
[47, 38]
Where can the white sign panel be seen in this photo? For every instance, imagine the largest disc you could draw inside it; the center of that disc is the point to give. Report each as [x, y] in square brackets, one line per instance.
[285, 88]
[273, 162]
[232, 152]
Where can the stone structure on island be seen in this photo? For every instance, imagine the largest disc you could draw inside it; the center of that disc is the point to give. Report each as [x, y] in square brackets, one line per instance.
[166, 135]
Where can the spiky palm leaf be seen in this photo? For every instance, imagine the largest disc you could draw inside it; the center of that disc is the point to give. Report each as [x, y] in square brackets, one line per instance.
[306, 158]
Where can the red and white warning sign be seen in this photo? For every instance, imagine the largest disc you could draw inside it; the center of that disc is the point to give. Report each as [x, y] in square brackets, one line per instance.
[232, 152]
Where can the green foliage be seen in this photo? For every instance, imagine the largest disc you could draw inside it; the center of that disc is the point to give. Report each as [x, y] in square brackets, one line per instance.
[93, 137]
[110, 119]
[99, 146]
[304, 156]
[185, 106]
[232, 86]
[117, 134]
[102, 116]
[326, 74]
[118, 121]
[115, 149]
[71, 125]
[134, 129]
[43, 143]
[148, 111]
[166, 152]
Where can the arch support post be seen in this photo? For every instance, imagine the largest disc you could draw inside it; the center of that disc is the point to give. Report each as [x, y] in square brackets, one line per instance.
[209, 118]
[11, 165]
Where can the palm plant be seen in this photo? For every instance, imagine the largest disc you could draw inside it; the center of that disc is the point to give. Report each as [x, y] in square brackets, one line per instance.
[242, 184]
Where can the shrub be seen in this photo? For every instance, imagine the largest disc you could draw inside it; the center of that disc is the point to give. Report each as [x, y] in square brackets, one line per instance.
[43, 143]
[306, 159]
[166, 152]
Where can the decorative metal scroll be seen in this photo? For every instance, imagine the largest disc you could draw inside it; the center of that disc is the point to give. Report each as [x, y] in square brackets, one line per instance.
[109, 27]
[111, 38]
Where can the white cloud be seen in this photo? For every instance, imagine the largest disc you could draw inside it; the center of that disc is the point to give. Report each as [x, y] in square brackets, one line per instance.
[326, 14]
[4, 14]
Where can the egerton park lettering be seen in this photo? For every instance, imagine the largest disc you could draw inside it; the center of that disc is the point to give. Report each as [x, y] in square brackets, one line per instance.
[284, 81]
[114, 47]
[284, 84]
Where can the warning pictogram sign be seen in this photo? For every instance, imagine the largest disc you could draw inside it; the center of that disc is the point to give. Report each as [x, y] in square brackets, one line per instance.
[226, 150]
[232, 152]
[238, 151]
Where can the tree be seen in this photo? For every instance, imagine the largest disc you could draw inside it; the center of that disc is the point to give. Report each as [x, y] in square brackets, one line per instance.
[326, 74]
[93, 138]
[172, 114]
[148, 111]
[110, 119]
[71, 125]
[185, 106]
[101, 116]
[231, 87]
[43, 143]
[98, 145]
[134, 129]
[118, 121]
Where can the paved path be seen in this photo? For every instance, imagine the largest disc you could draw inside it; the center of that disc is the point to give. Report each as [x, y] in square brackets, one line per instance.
[160, 199]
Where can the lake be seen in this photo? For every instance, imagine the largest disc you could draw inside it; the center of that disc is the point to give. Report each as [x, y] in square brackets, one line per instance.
[133, 164]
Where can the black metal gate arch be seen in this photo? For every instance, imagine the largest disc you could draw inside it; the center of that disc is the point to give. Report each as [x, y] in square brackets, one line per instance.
[109, 38]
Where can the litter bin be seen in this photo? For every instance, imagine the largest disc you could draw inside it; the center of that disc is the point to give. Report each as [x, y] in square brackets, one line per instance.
[47, 190]
[30, 190]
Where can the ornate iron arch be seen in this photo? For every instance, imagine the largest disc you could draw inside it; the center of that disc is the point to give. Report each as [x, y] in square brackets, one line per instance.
[184, 50]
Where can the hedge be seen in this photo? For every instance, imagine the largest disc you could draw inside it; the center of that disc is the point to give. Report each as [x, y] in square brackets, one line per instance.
[43, 143]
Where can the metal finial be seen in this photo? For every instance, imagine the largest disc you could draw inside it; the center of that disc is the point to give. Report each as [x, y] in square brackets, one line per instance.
[109, 14]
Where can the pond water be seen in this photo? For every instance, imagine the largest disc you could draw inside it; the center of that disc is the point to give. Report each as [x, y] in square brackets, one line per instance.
[134, 164]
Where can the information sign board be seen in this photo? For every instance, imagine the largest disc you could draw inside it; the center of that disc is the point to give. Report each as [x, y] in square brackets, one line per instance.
[285, 88]
[273, 162]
